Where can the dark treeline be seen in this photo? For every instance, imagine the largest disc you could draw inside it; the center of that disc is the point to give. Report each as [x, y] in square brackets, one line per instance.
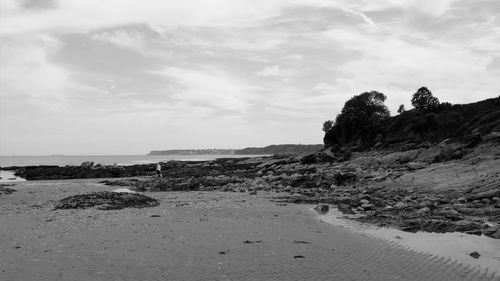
[365, 122]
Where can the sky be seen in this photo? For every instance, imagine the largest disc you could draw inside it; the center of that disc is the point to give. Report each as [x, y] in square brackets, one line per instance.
[88, 77]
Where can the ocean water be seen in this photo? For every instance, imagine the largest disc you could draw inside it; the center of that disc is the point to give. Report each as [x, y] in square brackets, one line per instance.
[61, 160]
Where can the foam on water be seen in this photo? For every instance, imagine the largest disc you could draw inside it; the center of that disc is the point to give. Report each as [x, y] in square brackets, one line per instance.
[456, 246]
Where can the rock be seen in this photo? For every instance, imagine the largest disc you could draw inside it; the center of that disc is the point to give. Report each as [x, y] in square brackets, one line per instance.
[317, 157]
[486, 201]
[399, 157]
[364, 201]
[367, 207]
[492, 231]
[416, 165]
[345, 208]
[6, 190]
[448, 213]
[468, 226]
[475, 254]
[407, 199]
[251, 242]
[87, 165]
[422, 211]
[322, 208]
[426, 203]
[494, 192]
[400, 205]
[366, 162]
[429, 155]
[106, 200]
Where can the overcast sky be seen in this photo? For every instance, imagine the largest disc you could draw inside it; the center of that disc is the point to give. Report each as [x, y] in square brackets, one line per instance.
[129, 76]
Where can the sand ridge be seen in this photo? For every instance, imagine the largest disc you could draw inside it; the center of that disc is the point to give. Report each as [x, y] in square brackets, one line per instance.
[194, 236]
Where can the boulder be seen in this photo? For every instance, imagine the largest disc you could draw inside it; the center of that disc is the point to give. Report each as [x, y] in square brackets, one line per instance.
[416, 165]
[492, 231]
[322, 208]
[423, 211]
[399, 157]
[87, 165]
[364, 201]
[345, 208]
[448, 213]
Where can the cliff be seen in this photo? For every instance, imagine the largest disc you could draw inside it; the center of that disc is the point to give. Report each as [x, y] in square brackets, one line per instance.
[412, 128]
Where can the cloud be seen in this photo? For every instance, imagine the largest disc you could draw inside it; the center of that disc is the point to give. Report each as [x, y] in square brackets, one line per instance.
[274, 70]
[202, 68]
[209, 87]
[27, 74]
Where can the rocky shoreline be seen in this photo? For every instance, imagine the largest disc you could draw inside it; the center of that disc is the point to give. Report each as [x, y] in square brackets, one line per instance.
[446, 187]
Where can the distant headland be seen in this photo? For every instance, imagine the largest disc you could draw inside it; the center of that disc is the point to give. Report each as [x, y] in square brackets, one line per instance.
[268, 150]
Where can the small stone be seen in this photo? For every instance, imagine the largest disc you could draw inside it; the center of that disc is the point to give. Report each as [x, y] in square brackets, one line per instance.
[475, 254]
[252, 242]
[364, 201]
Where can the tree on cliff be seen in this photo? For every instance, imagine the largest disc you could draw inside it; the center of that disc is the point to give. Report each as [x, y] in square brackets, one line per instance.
[327, 125]
[359, 120]
[423, 100]
[401, 109]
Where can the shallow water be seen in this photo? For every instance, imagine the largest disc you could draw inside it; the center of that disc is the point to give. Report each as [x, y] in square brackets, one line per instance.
[63, 160]
[124, 190]
[455, 246]
[8, 176]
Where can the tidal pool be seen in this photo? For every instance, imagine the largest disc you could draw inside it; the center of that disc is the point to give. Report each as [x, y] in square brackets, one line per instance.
[455, 245]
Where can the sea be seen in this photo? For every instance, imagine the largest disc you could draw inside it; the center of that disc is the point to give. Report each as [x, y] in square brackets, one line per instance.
[63, 160]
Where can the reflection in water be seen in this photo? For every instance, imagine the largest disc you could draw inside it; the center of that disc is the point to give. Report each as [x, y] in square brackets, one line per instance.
[456, 246]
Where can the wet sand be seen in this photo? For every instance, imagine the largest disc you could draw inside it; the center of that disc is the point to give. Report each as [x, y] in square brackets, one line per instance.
[194, 236]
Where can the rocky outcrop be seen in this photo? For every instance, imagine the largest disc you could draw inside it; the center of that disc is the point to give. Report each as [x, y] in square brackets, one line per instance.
[5, 190]
[105, 200]
[415, 190]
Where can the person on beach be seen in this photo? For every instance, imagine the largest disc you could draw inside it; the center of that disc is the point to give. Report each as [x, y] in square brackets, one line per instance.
[158, 170]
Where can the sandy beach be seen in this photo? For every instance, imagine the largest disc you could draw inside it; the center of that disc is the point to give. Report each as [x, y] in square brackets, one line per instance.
[194, 236]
